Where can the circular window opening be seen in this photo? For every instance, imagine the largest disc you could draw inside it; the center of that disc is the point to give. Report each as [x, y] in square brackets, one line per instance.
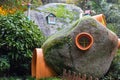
[84, 41]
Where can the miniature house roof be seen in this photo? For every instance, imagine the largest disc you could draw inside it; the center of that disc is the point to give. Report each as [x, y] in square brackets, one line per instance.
[51, 15]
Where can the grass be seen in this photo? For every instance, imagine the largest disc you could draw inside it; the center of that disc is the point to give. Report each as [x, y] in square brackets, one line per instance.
[26, 78]
[17, 78]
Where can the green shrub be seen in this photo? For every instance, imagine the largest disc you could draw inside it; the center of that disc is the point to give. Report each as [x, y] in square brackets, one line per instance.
[112, 27]
[18, 38]
[4, 64]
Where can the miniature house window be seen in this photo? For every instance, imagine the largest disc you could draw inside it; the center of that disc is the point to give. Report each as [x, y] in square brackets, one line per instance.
[84, 41]
[51, 19]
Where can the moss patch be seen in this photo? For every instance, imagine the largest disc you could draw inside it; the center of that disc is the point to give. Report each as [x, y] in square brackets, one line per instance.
[61, 12]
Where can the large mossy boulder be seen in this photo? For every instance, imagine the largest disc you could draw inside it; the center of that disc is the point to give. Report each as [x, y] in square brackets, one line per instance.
[61, 52]
[65, 14]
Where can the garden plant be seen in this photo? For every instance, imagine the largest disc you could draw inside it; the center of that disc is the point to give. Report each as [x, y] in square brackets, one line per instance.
[18, 38]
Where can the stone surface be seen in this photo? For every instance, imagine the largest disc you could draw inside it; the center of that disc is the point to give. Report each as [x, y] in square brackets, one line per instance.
[61, 52]
[69, 14]
[53, 1]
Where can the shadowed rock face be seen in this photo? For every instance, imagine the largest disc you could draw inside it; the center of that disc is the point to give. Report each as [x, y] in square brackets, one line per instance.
[61, 52]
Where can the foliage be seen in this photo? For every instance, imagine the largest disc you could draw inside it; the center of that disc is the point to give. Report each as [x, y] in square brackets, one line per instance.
[70, 1]
[113, 1]
[11, 6]
[112, 13]
[4, 63]
[18, 38]
[94, 4]
[112, 27]
[80, 3]
[36, 3]
[27, 78]
[17, 78]
[5, 11]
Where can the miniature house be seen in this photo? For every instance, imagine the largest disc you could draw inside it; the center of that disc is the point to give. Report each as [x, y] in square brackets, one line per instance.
[51, 19]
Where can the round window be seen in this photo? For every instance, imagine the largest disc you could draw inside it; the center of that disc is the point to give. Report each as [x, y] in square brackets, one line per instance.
[84, 41]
